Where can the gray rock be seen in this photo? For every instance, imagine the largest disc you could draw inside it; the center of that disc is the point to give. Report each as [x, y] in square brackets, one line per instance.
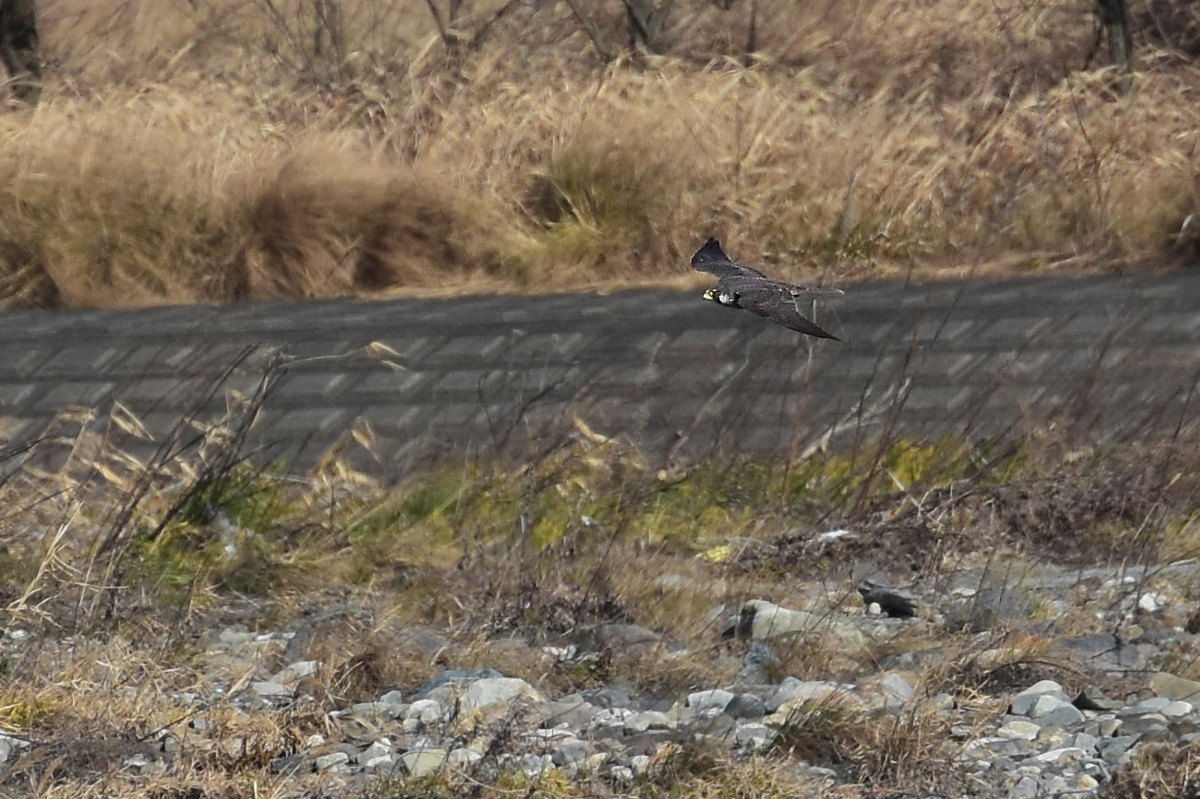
[1184, 726]
[1177, 709]
[746, 706]
[495, 690]
[392, 698]
[606, 697]
[573, 752]
[1062, 756]
[1145, 723]
[332, 761]
[1025, 788]
[455, 676]
[1102, 726]
[760, 620]
[621, 774]
[426, 711]
[294, 672]
[890, 690]
[940, 703]
[1019, 729]
[530, 765]
[1171, 686]
[137, 763]
[757, 665]
[383, 764]
[646, 720]
[289, 764]
[1113, 750]
[622, 639]
[377, 749]
[608, 722]
[270, 690]
[424, 762]
[753, 736]
[990, 608]
[463, 757]
[716, 699]
[574, 712]
[1154, 704]
[1050, 710]
[803, 690]
[1023, 703]
[1092, 698]
[719, 726]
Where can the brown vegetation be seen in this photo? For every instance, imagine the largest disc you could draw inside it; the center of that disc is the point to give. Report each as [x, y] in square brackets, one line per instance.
[245, 148]
[117, 576]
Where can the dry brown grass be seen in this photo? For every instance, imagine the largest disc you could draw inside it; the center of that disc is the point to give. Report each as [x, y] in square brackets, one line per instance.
[226, 150]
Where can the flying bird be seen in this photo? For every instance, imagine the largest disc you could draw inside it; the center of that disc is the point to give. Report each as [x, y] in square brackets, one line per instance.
[739, 286]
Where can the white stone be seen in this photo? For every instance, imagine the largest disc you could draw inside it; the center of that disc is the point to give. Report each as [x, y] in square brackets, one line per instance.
[1177, 709]
[423, 762]
[1150, 602]
[377, 749]
[833, 535]
[463, 757]
[648, 719]
[1025, 788]
[1023, 703]
[1067, 754]
[426, 711]
[138, 761]
[494, 690]
[621, 774]
[1019, 729]
[381, 763]
[332, 761]
[753, 735]
[805, 690]
[715, 699]
[293, 673]
[268, 688]
[771, 620]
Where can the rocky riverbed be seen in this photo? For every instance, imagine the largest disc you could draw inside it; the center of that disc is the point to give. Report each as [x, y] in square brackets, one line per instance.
[994, 690]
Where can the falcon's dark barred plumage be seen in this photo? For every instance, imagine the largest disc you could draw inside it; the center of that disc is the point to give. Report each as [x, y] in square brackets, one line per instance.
[739, 286]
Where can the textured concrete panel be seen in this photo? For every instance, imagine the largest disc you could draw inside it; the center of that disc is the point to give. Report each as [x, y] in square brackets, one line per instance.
[1107, 355]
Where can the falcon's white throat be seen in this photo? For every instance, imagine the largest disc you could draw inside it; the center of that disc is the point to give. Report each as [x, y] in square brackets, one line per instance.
[720, 297]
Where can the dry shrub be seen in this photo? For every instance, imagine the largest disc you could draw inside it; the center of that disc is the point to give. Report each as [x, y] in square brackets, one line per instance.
[155, 202]
[1158, 769]
[337, 220]
[247, 149]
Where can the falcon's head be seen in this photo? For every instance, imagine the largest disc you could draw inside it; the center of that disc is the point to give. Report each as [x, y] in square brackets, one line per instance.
[719, 297]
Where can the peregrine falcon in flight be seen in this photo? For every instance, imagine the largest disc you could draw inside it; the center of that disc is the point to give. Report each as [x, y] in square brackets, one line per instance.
[739, 286]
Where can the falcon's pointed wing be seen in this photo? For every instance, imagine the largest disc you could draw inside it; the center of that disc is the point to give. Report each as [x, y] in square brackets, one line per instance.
[776, 301]
[712, 259]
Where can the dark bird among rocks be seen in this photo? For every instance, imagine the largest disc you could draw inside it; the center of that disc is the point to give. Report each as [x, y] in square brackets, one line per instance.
[891, 601]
